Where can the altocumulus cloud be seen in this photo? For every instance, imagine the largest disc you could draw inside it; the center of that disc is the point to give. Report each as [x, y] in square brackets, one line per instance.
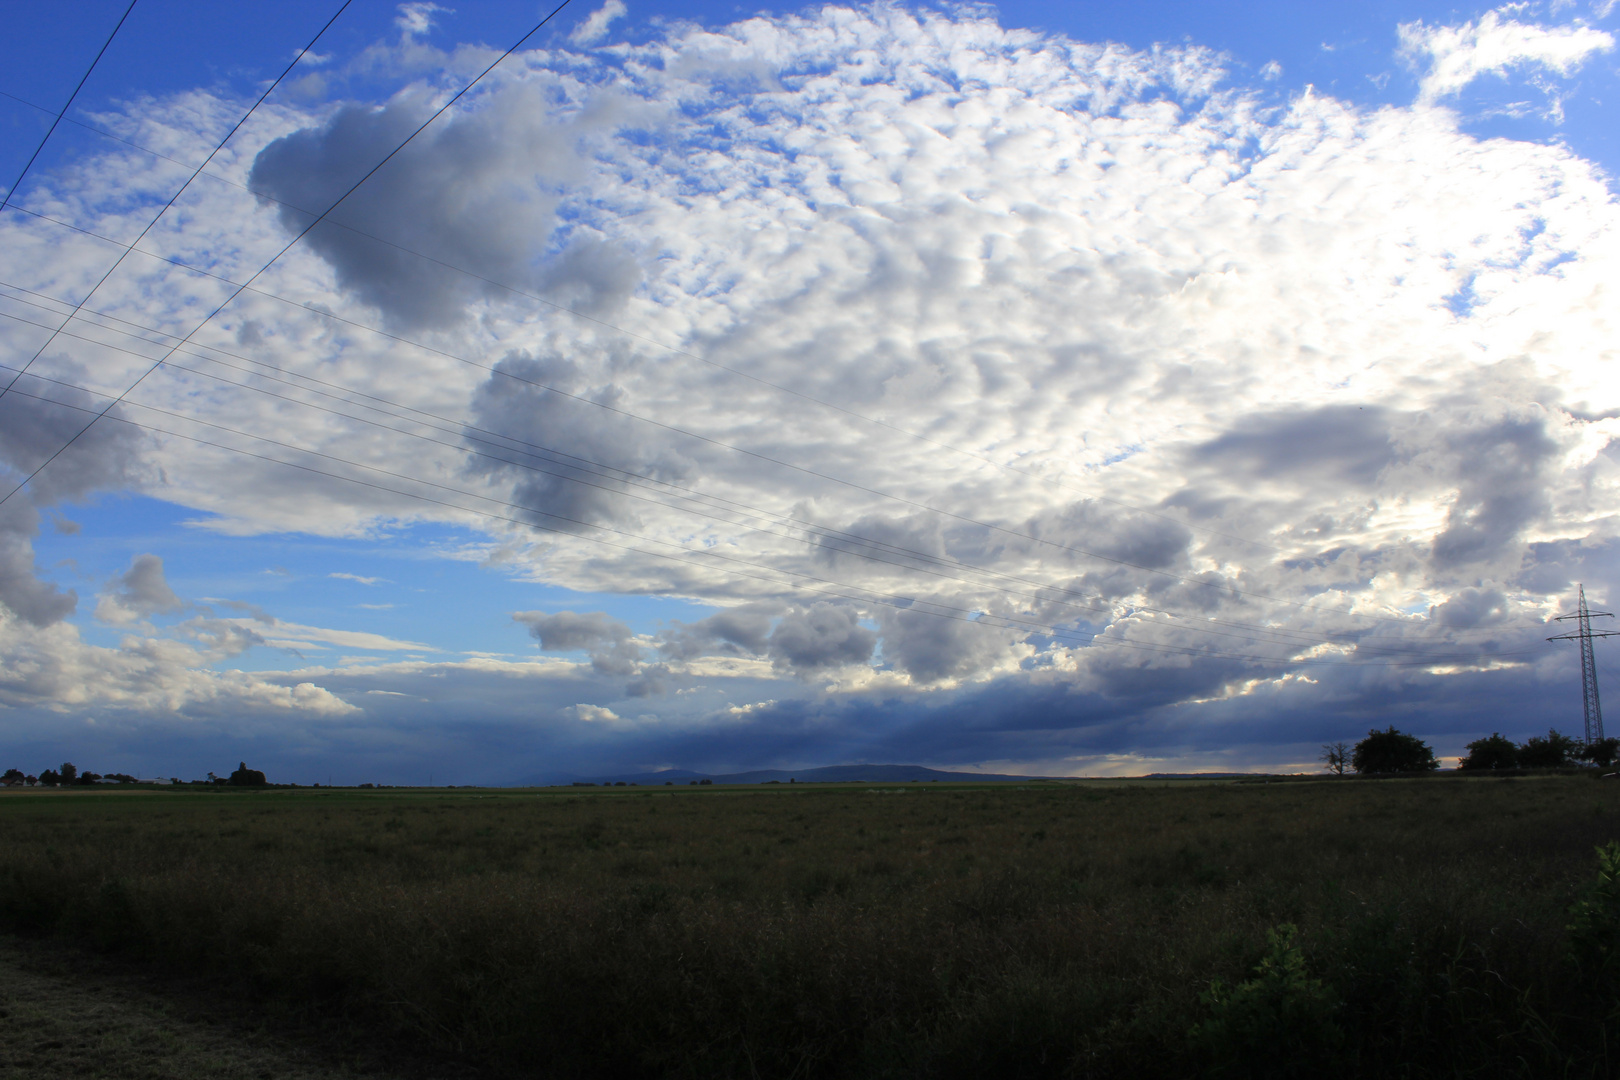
[1092, 411]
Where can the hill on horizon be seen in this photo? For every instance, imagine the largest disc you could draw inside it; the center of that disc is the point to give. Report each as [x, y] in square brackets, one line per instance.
[826, 774]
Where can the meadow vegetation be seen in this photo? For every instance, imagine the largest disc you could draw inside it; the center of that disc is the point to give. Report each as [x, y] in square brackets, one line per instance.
[1442, 926]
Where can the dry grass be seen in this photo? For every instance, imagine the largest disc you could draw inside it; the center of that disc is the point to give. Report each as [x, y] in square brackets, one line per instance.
[910, 930]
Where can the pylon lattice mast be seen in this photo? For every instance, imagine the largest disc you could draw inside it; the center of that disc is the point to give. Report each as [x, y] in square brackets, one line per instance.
[1584, 634]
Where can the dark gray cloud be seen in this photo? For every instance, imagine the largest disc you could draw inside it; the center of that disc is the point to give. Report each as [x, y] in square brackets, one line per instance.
[930, 648]
[567, 459]
[740, 631]
[604, 637]
[473, 190]
[1473, 607]
[1502, 489]
[106, 456]
[1345, 444]
[1141, 540]
[21, 590]
[566, 631]
[821, 637]
[144, 590]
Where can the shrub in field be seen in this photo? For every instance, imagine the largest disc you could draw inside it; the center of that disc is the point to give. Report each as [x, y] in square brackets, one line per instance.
[1493, 752]
[1594, 929]
[1551, 752]
[1392, 751]
[1275, 1023]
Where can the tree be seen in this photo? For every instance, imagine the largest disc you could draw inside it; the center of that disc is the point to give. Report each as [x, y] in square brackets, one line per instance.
[50, 778]
[246, 777]
[1336, 756]
[88, 777]
[69, 772]
[1551, 752]
[1601, 752]
[1494, 752]
[1391, 751]
[12, 776]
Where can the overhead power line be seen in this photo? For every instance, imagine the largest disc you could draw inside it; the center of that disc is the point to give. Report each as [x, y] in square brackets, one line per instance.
[834, 588]
[865, 548]
[698, 436]
[678, 351]
[610, 476]
[71, 98]
[289, 245]
[180, 191]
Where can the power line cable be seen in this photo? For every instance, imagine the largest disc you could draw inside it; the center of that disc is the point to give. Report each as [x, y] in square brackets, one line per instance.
[1262, 633]
[71, 97]
[256, 274]
[858, 595]
[697, 436]
[182, 189]
[708, 504]
[678, 351]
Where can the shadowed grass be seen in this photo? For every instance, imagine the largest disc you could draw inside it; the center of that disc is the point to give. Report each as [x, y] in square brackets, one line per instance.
[915, 930]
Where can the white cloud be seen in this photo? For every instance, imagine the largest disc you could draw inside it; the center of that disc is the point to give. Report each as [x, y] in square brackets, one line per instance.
[1457, 55]
[595, 27]
[417, 18]
[344, 639]
[1326, 359]
[55, 669]
[591, 714]
[357, 577]
[142, 591]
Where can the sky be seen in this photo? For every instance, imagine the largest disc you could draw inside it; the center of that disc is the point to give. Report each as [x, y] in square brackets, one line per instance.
[1061, 389]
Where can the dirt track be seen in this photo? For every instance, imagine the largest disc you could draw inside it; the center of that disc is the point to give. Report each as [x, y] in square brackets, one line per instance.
[70, 1015]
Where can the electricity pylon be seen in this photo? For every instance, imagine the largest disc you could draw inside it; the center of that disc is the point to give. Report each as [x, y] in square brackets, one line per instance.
[1584, 633]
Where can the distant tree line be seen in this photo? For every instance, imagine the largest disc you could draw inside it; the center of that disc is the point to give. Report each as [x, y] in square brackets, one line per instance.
[1394, 751]
[1549, 751]
[68, 775]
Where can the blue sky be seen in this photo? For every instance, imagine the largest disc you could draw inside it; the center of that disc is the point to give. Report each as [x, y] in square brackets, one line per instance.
[1189, 403]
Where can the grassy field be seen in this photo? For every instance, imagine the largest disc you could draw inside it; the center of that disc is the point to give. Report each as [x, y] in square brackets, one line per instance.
[1355, 928]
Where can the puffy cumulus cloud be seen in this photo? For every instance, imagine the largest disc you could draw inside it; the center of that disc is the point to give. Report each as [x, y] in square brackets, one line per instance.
[54, 669]
[571, 465]
[591, 714]
[37, 420]
[566, 631]
[931, 649]
[417, 17]
[819, 638]
[1493, 45]
[471, 191]
[140, 592]
[595, 26]
[1185, 398]
[606, 639]
[744, 630]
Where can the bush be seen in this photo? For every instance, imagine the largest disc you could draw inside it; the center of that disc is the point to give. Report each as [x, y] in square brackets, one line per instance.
[1495, 752]
[1594, 930]
[1275, 1023]
[1392, 751]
